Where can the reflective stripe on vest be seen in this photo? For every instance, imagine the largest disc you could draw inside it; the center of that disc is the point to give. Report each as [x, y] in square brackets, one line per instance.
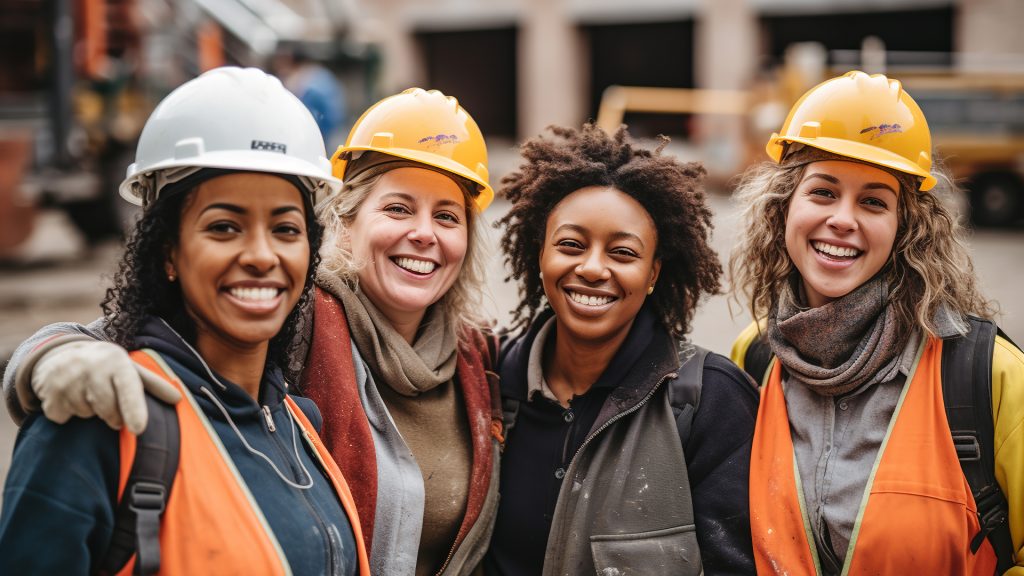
[212, 524]
[917, 515]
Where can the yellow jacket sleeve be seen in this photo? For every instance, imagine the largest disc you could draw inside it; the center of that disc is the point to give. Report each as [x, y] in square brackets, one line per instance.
[1008, 416]
[743, 342]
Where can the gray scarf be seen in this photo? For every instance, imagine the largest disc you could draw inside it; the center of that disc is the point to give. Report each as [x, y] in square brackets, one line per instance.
[836, 348]
[408, 369]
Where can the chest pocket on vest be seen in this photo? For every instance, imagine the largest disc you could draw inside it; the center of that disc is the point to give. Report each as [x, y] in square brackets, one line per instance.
[671, 551]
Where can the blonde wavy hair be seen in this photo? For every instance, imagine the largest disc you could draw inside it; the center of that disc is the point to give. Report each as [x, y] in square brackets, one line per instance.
[929, 265]
[337, 212]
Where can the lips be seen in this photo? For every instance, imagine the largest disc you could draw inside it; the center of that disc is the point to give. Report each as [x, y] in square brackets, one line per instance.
[589, 300]
[835, 252]
[255, 299]
[415, 265]
[254, 294]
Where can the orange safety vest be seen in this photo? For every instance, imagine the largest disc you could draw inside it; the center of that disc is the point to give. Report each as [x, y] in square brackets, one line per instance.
[211, 524]
[918, 515]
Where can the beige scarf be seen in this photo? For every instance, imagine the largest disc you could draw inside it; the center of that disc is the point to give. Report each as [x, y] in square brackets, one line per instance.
[409, 369]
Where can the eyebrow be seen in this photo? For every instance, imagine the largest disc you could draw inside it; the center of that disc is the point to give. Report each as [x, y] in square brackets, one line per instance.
[239, 210]
[868, 186]
[412, 199]
[615, 235]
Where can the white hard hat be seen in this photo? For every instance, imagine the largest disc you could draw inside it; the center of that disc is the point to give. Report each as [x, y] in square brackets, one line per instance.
[234, 119]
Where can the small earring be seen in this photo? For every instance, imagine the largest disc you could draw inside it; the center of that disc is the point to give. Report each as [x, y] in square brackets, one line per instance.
[540, 275]
[650, 289]
[171, 277]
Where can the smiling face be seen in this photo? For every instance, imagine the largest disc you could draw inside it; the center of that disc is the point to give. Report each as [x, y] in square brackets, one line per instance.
[597, 262]
[840, 227]
[241, 259]
[410, 237]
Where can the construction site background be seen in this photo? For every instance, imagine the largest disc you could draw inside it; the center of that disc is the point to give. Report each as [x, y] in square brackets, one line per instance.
[78, 78]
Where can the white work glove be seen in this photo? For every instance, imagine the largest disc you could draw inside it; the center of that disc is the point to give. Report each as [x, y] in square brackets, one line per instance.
[93, 378]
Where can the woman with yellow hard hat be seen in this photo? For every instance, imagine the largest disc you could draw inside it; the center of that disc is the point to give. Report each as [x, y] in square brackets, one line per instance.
[869, 353]
[391, 350]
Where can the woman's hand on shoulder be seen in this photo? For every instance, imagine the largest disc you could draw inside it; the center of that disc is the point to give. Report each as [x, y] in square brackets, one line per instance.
[91, 378]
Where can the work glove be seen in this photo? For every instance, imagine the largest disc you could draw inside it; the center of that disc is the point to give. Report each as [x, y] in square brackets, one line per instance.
[93, 378]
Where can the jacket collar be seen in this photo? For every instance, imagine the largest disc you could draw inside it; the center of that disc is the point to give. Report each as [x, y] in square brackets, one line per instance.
[159, 336]
[646, 355]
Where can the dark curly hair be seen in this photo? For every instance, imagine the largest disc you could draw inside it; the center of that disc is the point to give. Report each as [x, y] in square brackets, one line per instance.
[141, 288]
[670, 191]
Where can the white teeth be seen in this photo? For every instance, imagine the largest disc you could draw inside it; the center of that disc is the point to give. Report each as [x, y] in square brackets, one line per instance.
[835, 250]
[255, 294]
[590, 300]
[419, 266]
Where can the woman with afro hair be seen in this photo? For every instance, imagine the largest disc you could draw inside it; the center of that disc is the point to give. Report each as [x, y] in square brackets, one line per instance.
[627, 447]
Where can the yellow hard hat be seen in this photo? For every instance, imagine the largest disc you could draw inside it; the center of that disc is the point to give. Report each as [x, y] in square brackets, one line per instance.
[868, 118]
[426, 127]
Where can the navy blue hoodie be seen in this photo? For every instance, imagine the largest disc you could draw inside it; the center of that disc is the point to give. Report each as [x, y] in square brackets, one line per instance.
[60, 495]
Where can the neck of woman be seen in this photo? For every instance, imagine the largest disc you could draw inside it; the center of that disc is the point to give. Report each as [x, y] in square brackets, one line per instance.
[572, 365]
[242, 365]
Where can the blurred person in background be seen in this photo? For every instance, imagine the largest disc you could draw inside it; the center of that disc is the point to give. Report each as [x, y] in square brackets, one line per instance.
[317, 88]
[870, 353]
[390, 353]
[209, 288]
[627, 446]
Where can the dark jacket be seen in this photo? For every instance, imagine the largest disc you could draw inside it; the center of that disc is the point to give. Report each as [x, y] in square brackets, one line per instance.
[60, 494]
[624, 496]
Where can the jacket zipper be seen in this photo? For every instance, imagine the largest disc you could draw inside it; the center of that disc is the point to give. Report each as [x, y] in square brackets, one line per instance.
[304, 497]
[451, 554]
[571, 471]
[270, 419]
[616, 418]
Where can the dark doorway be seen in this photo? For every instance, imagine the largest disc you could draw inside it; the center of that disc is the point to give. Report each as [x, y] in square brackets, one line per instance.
[644, 54]
[479, 68]
[908, 30]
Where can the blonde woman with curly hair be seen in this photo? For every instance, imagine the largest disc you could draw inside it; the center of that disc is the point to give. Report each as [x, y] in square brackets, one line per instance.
[868, 299]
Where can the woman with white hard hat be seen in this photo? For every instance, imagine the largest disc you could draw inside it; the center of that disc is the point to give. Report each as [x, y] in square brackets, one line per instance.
[215, 275]
[389, 348]
[890, 435]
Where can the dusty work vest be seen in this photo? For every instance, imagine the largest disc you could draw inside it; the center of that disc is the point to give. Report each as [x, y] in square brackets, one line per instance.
[211, 524]
[918, 516]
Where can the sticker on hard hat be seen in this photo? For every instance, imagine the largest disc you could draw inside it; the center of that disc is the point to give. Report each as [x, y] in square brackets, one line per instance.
[882, 130]
[269, 146]
[439, 139]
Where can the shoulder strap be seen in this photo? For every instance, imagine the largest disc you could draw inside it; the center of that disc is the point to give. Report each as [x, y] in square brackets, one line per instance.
[967, 393]
[757, 359]
[137, 518]
[684, 392]
[509, 412]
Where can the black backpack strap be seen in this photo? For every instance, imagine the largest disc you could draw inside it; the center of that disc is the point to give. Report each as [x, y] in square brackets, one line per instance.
[757, 359]
[967, 393]
[509, 412]
[137, 518]
[684, 390]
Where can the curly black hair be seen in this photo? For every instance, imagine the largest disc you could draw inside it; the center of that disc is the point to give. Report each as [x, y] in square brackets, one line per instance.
[670, 191]
[141, 288]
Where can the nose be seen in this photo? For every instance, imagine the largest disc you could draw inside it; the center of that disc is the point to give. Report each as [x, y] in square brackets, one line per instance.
[258, 253]
[593, 267]
[422, 230]
[844, 218]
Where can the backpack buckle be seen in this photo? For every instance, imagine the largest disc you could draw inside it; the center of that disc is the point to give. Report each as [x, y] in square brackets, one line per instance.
[967, 447]
[148, 497]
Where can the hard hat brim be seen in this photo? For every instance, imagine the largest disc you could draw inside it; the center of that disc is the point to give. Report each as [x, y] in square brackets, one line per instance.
[244, 161]
[485, 194]
[856, 150]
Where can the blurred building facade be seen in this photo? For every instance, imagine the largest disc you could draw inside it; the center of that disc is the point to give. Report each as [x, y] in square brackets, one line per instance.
[79, 77]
